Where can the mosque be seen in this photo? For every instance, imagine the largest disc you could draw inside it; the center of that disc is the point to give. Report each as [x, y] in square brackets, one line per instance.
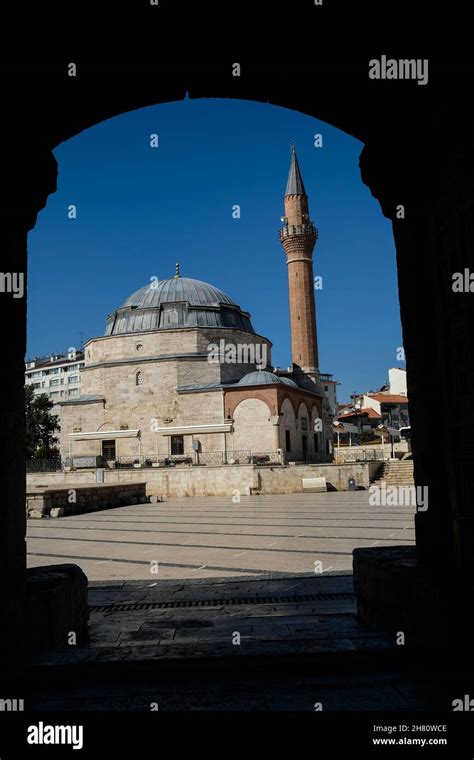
[181, 375]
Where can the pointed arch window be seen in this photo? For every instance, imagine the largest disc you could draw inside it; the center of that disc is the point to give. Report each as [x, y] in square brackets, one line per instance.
[139, 378]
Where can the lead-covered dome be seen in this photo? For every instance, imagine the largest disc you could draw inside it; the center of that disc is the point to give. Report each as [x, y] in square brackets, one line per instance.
[174, 303]
[259, 377]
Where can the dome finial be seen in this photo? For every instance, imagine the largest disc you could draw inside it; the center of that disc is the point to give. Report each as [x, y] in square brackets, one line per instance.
[177, 274]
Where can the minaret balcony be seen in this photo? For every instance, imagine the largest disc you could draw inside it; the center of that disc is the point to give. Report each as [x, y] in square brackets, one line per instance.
[304, 230]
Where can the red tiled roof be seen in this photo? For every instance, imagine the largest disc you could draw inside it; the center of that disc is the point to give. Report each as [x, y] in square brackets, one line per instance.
[371, 414]
[389, 398]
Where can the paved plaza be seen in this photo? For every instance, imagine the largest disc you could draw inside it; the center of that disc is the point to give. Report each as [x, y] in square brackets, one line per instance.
[213, 537]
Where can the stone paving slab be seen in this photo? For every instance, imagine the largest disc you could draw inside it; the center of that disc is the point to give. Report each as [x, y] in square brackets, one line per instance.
[200, 538]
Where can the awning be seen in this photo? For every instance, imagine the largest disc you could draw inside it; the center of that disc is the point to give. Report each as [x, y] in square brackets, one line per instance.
[100, 435]
[222, 427]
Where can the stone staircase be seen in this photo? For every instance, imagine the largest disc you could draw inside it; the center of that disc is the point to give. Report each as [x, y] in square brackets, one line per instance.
[396, 473]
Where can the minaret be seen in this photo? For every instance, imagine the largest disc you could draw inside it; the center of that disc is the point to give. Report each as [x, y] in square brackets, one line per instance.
[298, 238]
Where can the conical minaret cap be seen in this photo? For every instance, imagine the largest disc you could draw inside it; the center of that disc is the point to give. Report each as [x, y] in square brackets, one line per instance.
[295, 185]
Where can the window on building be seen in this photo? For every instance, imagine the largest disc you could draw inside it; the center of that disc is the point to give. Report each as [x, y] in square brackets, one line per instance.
[54, 394]
[138, 378]
[36, 385]
[73, 379]
[177, 444]
[54, 382]
[54, 371]
[304, 423]
[326, 388]
[316, 443]
[74, 392]
[108, 450]
[288, 440]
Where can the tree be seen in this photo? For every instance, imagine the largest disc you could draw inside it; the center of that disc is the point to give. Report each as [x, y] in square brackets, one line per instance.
[40, 426]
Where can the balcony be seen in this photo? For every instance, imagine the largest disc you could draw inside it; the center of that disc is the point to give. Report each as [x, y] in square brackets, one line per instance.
[305, 230]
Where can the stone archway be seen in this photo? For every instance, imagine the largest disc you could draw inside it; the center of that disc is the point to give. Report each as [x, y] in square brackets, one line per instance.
[253, 421]
[403, 170]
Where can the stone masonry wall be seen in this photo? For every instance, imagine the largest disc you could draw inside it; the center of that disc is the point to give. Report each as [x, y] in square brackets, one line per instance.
[218, 481]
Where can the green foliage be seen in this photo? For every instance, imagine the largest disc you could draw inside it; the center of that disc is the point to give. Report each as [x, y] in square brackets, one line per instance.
[40, 426]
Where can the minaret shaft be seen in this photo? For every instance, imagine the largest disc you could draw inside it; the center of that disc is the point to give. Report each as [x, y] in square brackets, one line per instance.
[298, 238]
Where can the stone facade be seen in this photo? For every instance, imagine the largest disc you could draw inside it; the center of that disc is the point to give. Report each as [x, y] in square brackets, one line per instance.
[167, 363]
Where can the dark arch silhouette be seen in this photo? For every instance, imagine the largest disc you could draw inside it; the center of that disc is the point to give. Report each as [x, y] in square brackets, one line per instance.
[402, 164]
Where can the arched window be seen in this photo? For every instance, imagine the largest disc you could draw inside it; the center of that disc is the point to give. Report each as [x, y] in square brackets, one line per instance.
[139, 378]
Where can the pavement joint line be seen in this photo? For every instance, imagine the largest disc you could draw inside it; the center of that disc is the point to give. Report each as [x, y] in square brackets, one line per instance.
[290, 587]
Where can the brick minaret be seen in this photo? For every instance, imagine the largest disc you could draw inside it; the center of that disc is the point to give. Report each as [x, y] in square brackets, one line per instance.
[298, 238]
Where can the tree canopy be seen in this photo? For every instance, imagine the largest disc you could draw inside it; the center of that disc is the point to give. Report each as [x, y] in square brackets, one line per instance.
[41, 426]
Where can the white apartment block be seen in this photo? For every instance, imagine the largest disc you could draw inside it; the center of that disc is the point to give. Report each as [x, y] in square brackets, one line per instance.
[58, 375]
[330, 389]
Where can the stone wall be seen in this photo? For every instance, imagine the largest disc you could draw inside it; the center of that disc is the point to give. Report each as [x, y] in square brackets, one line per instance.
[73, 499]
[218, 481]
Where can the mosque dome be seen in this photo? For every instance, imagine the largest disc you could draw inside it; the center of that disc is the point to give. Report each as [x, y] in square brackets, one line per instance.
[288, 381]
[259, 377]
[177, 302]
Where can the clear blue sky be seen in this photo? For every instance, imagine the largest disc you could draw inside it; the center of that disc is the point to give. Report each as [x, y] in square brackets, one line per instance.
[139, 209]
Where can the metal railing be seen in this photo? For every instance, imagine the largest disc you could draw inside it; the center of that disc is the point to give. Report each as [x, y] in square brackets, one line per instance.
[209, 458]
[44, 465]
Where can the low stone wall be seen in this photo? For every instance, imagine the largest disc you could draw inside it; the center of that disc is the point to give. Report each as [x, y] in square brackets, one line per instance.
[220, 480]
[290, 479]
[73, 498]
